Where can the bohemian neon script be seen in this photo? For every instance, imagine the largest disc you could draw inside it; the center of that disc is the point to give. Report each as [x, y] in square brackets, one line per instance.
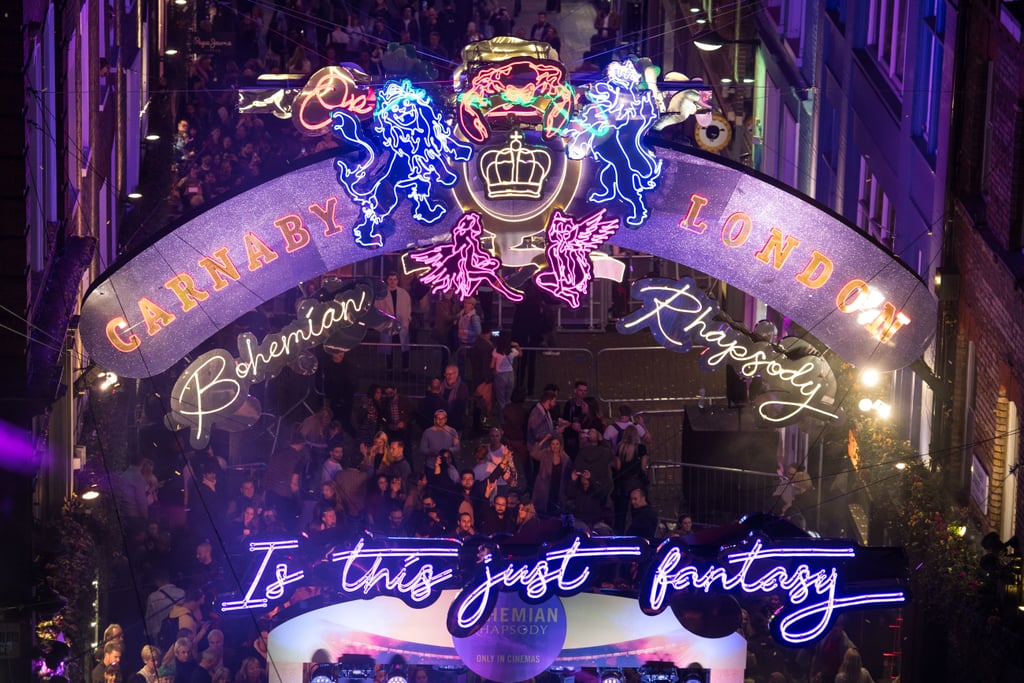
[812, 593]
[216, 385]
[679, 315]
[817, 579]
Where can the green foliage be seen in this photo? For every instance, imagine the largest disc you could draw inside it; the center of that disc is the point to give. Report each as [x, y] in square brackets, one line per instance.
[71, 574]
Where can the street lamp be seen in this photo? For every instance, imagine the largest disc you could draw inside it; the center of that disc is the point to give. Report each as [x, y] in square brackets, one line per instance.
[710, 41]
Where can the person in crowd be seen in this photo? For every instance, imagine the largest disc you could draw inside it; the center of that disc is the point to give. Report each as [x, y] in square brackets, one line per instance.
[644, 521]
[282, 479]
[395, 411]
[206, 572]
[397, 303]
[587, 504]
[246, 498]
[626, 419]
[467, 328]
[852, 670]
[443, 481]
[541, 423]
[189, 615]
[178, 662]
[150, 665]
[132, 494]
[247, 527]
[830, 652]
[335, 376]
[455, 393]
[499, 454]
[465, 526]
[427, 523]
[573, 412]
[431, 402]
[378, 502]
[446, 309]
[110, 656]
[684, 526]
[496, 519]
[396, 465]
[794, 492]
[333, 464]
[367, 422]
[473, 496]
[350, 487]
[630, 473]
[552, 38]
[538, 30]
[502, 365]
[592, 418]
[251, 671]
[440, 436]
[377, 451]
[596, 457]
[160, 601]
[553, 474]
[482, 377]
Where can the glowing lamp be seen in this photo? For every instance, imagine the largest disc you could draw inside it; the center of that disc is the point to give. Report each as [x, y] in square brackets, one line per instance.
[152, 137]
[170, 52]
[865, 404]
[91, 494]
[708, 41]
[870, 377]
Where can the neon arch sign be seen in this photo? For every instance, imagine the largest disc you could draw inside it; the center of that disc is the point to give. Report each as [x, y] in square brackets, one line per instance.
[817, 580]
[148, 311]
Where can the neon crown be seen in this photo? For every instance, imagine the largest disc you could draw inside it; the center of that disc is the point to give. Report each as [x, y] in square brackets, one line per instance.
[514, 171]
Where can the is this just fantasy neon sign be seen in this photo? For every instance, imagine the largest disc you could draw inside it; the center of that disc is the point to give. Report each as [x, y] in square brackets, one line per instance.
[816, 580]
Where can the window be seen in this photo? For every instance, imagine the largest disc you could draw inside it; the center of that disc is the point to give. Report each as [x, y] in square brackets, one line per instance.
[876, 215]
[836, 9]
[928, 76]
[986, 150]
[886, 36]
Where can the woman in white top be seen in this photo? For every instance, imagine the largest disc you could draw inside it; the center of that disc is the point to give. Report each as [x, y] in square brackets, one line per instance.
[504, 353]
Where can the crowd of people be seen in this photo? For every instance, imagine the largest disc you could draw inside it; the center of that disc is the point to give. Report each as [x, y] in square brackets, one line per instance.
[218, 150]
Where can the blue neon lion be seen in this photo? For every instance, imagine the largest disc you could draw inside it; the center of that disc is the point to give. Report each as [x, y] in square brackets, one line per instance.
[611, 129]
[420, 143]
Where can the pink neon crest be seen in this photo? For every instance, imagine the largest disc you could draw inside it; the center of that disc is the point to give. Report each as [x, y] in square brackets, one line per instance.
[462, 265]
[570, 243]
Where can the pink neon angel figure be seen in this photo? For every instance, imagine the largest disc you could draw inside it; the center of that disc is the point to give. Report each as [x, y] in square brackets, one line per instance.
[570, 243]
[462, 265]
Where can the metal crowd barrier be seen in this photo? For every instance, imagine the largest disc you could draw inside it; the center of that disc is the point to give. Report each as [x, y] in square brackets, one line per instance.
[559, 365]
[644, 374]
[712, 495]
[380, 364]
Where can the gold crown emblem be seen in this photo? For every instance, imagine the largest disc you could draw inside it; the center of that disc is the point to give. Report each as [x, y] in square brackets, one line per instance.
[514, 171]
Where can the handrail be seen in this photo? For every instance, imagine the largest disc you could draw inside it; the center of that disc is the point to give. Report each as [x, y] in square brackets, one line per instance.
[714, 468]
